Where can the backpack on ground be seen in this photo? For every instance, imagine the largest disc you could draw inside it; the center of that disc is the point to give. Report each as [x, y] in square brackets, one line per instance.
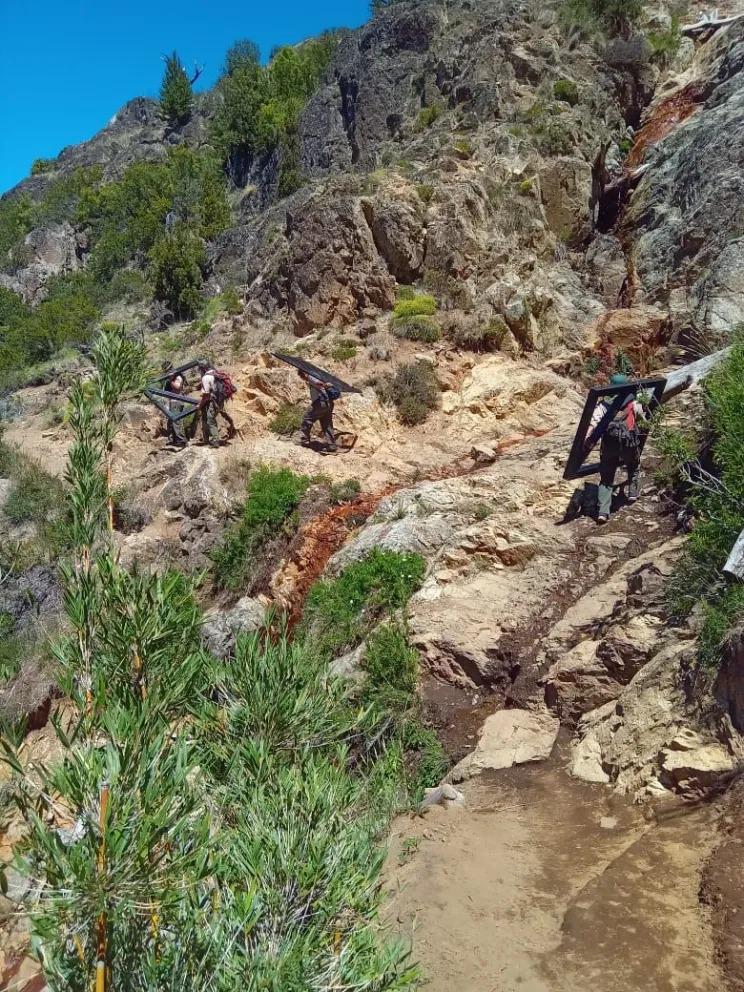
[224, 387]
[621, 433]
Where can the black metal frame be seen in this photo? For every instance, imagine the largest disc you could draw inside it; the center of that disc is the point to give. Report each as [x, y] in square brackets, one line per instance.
[314, 370]
[153, 392]
[576, 466]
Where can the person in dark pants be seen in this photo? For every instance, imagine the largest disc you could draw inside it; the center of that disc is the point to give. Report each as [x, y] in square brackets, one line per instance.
[620, 447]
[320, 409]
[176, 384]
[207, 409]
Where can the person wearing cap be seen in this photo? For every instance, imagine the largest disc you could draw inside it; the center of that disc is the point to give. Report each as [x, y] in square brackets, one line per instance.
[620, 446]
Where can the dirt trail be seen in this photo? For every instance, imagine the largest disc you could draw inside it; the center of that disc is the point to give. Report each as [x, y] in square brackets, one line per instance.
[541, 883]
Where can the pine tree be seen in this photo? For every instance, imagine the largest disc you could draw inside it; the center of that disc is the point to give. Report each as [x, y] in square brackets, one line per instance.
[176, 94]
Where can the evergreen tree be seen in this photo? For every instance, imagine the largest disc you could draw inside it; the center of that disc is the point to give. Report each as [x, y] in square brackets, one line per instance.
[176, 94]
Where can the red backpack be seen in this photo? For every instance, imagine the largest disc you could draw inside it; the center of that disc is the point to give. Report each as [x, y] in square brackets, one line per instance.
[224, 387]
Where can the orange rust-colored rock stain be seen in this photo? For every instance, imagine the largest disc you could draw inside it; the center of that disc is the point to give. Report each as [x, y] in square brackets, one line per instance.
[664, 118]
[324, 536]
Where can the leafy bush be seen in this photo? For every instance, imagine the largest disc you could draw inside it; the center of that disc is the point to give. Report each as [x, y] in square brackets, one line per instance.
[566, 91]
[677, 450]
[287, 419]
[475, 335]
[391, 666]
[177, 264]
[415, 306]
[41, 165]
[241, 53]
[16, 220]
[129, 216]
[464, 148]
[413, 389]
[340, 612]
[425, 192]
[428, 116]
[344, 350]
[719, 504]
[553, 137]
[273, 496]
[613, 16]
[176, 94]
[260, 106]
[424, 329]
[345, 492]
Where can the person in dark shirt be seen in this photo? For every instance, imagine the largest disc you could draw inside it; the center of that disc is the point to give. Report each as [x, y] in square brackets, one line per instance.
[320, 409]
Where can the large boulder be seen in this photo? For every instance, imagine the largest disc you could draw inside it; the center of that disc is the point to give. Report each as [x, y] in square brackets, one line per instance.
[396, 219]
[509, 737]
[221, 628]
[565, 191]
[49, 251]
[330, 270]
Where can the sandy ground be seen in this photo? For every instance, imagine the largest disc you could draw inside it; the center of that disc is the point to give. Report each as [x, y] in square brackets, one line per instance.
[541, 883]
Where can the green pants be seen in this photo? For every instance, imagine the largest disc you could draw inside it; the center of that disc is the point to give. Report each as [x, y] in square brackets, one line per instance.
[210, 433]
[176, 431]
[610, 461]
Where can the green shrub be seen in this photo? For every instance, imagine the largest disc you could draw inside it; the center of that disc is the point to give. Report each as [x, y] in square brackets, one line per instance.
[566, 91]
[176, 94]
[665, 44]
[464, 148]
[720, 618]
[391, 666]
[719, 507]
[613, 16]
[273, 496]
[128, 217]
[177, 264]
[340, 612]
[475, 335]
[344, 350]
[345, 492]
[414, 306]
[260, 106]
[241, 53]
[405, 293]
[41, 165]
[553, 137]
[287, 419]
[424, 329]
[414, 389]
[425, 192]
[677, 450]
[16, 220]
[428, 116]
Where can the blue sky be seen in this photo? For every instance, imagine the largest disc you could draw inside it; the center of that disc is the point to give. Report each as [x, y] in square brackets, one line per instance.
[67, 66]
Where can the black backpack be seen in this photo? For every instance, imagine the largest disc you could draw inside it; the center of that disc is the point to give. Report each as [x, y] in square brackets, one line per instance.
[620, 436]
[333, 393]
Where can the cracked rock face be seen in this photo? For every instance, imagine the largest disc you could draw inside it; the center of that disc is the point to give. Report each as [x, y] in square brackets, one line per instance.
[685, 217]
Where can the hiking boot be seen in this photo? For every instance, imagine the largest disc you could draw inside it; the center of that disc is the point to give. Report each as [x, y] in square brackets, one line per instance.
[602, 519]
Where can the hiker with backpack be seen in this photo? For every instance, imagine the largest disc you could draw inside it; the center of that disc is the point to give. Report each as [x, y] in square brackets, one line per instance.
[216, 389]
[322, 398]
[620, 446]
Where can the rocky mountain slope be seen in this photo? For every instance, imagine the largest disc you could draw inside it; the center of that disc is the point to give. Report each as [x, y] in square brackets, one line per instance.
[567, 204]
